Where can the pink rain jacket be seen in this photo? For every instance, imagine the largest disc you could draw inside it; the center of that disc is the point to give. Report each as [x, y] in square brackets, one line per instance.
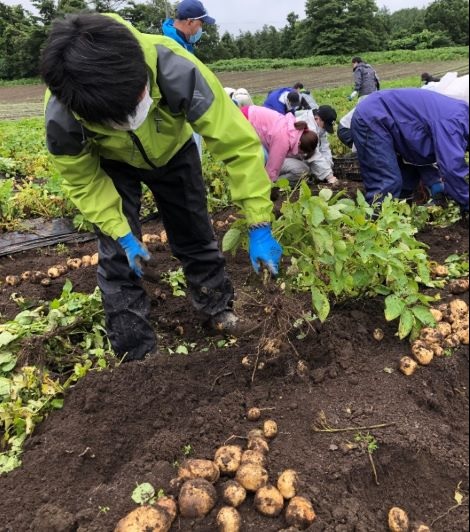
[278, 135]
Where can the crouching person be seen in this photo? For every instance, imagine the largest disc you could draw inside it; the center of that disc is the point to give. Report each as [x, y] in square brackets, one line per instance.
[120, 112]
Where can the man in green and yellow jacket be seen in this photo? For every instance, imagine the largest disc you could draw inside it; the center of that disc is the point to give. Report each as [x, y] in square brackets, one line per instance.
[120, 111]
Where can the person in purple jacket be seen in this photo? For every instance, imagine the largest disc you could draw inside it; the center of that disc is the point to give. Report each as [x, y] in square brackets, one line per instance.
[407, 136]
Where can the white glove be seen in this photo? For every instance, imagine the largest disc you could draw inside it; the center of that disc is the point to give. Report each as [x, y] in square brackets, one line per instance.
[353, 95]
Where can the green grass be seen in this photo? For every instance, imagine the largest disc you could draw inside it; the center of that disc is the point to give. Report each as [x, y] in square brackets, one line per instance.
[392, 57]
[16, 82]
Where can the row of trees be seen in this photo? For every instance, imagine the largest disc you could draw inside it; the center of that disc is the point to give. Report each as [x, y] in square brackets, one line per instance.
[330, 27]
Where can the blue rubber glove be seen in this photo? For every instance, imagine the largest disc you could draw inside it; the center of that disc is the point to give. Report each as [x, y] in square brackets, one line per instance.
[437, 189]
[264, 249]
[135, 252]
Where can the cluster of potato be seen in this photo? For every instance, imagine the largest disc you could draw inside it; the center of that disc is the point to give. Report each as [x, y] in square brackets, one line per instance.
[451, 332]
[245, 473]
[155, 239]
[54, 272]
[398, 521]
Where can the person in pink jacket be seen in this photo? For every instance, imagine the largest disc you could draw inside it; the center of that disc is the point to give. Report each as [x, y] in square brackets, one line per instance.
[282, 136]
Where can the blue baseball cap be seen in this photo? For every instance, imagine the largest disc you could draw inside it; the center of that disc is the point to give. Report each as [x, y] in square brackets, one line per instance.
[193, 9]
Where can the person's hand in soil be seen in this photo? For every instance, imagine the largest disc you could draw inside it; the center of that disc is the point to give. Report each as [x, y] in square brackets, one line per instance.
[264, 249]
[135, 251]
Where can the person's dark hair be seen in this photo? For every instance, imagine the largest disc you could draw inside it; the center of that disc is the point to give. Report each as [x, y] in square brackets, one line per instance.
[95, 67]
[294, 98]
[308, 140]
[357, 59]
[298, 86]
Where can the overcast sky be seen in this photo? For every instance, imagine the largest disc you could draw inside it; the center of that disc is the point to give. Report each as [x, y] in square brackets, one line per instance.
[250, 15]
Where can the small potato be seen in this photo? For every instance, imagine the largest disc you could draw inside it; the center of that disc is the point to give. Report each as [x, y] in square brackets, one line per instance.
[408, 366]
[46, 282]
[398, 520]
[12, 280]
[460, 286]
[191, 469]
[439, 270]
[437, 315]
[168, 504]
[444, 329]
[145, 518]
[74, 264]
[452, 341]
[229, 520]
[270, 429]
[421, 527]
[150, 239]
[228, 459]
[464, 335]
[254, 457]
[253, 414]
[300, 513]
[255, 433]
[197, 498]
[233, 493]
[26, 276]
[430, 336]
[458, 308]
[86, 261]
[94, 259]
[288, 484]
[269, 501]
[438, 350]
[252, 477]
[422, 353]
[163, 237]
[379, 335]
[258, 444]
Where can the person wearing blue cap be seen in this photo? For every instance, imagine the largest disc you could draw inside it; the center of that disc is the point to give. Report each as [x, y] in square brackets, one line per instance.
[187, 27]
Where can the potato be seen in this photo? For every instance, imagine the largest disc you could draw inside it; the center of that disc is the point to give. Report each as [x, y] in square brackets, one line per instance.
[438, 270]
[408, 366]
[26, 276]
[168, 504]
[46, 282]
[254, 457]
[38, 277]
[229, 520]
[94, 259]
[460, 286]
[464, 335]
[255, 433]
[422, 353]
[438, 350]
[288, 483]
[452, 341]
[145, 518]
[421, 527]
[430, 336]
[228, 459]
[458, 308]
[269, 501]
[270, 429]
[258, 444]
[398, 520]
[300, 513]
[444, 329]
[56, 271]
[460, 324]
[163, 237]
[379, 335]
[150, 239]
[74, 264]
[253, 414]
[437, 315]
[12, 280]
[86, 261]
[197, 498]
[233, 493]
[252, 476]
[205, 469]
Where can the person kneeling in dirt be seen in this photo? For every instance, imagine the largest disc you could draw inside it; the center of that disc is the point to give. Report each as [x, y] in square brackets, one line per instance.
[407, 136]
[120, 112]
[282, 136]
[322, 122]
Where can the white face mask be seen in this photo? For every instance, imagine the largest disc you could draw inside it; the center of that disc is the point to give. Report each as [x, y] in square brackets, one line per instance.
[139, 116]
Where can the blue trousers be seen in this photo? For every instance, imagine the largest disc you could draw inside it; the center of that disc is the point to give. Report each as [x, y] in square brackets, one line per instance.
[383, 170]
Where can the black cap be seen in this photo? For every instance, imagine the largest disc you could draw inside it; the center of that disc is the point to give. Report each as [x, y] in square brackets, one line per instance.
[328, 115]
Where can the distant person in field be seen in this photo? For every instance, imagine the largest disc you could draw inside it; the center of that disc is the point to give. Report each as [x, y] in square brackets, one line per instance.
[240, 97]
[407, 136]
[282, 136]
[321, 166]
[187, 30]
[121, 108]
[366, 80]
[426, 78]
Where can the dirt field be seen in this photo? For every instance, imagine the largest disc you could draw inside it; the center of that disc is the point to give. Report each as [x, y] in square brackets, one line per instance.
[18, 102]
[129, 425]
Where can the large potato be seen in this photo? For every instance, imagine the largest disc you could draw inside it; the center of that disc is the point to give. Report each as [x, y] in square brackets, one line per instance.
[252, 476]
[254, 457]
[197, 498]
[459, 286]
[458, 309]
[234, 494]
[229, 520]
[205, 469]
[269, 501]
[288, 483]
[300, 513]
[398, 520]
[228, 459]
[422, 353]
[145, 518]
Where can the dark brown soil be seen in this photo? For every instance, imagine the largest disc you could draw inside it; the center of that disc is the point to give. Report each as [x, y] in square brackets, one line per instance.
[129, 425]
